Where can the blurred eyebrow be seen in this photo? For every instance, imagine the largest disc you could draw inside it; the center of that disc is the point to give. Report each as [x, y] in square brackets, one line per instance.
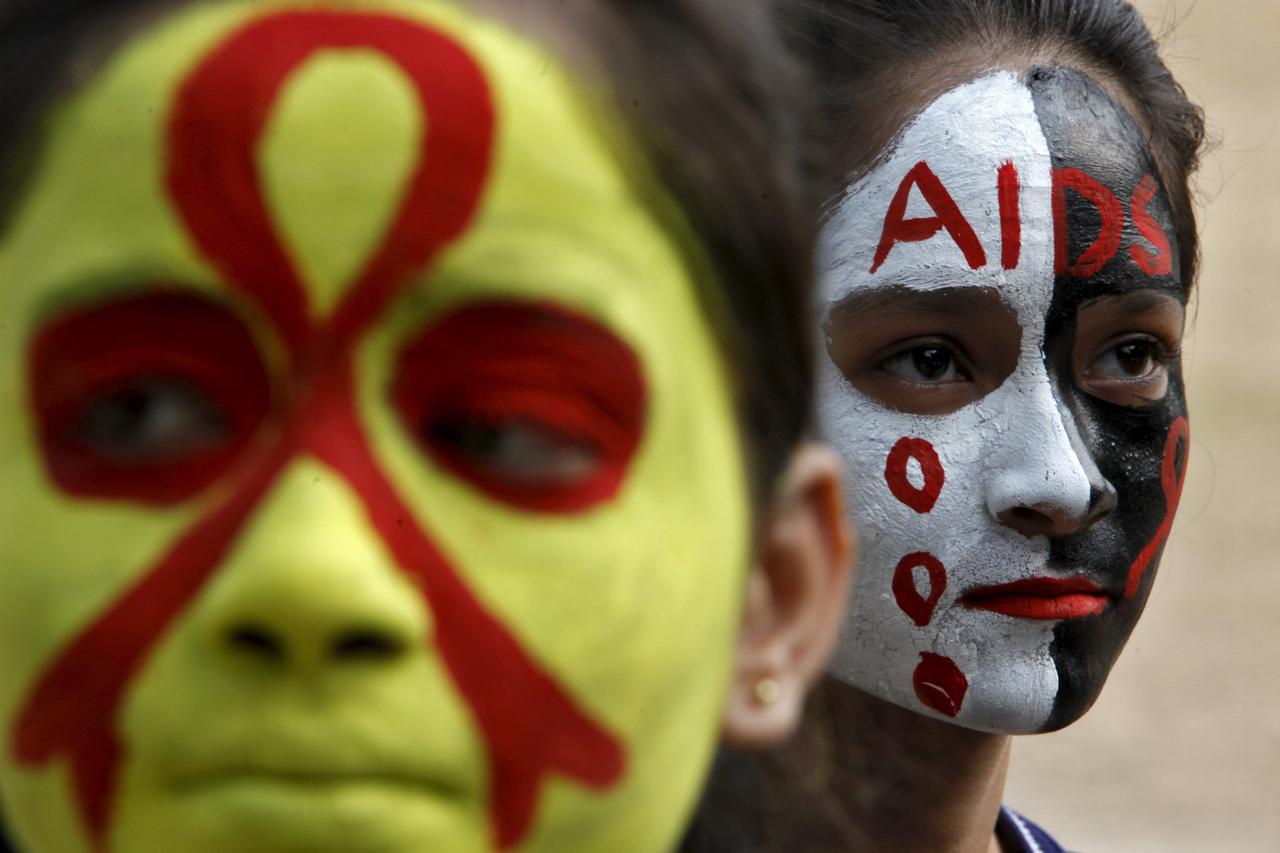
[896, 301]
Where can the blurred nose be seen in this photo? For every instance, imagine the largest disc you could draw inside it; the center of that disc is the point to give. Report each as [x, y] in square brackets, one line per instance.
[316, 644]
[1041, 479]
[309, 586]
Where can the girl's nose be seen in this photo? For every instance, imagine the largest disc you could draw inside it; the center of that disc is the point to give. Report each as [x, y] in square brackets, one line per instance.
[1052, 519]
[1041, 479]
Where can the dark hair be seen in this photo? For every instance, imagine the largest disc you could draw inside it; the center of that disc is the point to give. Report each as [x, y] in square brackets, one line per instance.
[720, 108]
[711, 95]
[870, 56]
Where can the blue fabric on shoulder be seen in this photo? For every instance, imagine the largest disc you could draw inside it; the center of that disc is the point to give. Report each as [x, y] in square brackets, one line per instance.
[1019, 835]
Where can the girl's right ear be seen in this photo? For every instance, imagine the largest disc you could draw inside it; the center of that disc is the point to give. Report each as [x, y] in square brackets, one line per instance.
[796, 597]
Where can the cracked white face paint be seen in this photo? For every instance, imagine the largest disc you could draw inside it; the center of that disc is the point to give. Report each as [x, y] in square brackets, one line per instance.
[908, 638]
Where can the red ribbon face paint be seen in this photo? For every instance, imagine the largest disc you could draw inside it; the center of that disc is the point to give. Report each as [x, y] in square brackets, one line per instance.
[194, 409]
[72, 715]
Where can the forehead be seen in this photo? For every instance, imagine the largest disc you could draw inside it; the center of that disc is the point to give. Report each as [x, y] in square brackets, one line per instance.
[340, 141]
[965, 194]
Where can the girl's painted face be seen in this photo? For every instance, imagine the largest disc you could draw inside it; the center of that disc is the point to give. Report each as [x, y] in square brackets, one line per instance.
[368, 474]
[1003, 314]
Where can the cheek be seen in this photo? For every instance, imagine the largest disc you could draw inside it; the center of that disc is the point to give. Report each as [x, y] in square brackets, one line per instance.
[616, 599]
[635, 609]
[899, 490]
[618, 568]
[1144, 454]
[904, 472]
[63, 562]
[1131, 446]
[918, 492]
[919, 489]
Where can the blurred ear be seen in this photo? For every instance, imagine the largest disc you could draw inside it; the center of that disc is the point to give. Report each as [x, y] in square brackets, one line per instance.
[796, 597]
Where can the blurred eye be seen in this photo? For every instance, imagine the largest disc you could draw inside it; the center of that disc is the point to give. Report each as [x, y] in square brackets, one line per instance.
[150, 398]
[531, 404]
[522, 453]
[151, 420]
[927, 364]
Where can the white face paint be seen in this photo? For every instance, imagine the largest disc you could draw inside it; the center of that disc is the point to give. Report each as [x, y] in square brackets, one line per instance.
[1014, 448]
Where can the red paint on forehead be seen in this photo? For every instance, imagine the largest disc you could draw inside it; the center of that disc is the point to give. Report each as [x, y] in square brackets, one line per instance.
[899, 229]
[1104, 246]
[220, 116]
[1110, 233]
[532, 727]
[1009, 189]
[1159, 262]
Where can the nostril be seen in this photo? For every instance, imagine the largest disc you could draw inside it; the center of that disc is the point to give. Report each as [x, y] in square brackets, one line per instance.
[257, 642]
[1028, 521]
[366, 645]
[1102, 502]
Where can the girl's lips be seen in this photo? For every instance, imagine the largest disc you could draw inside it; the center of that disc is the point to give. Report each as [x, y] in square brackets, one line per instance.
[1049, 599]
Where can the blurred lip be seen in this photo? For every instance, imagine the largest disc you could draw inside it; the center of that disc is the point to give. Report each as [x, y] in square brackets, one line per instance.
[1046, 599]
[314, 780]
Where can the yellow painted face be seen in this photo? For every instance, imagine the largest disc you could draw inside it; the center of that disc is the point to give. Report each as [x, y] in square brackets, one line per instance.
[369, 477]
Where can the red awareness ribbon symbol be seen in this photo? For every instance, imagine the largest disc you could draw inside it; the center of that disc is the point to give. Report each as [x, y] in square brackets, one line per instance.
[532, 727]
[1172, 478]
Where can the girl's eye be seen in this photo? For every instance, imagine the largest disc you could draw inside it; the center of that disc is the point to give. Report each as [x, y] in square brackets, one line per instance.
[151, 420]
[522, 454]
[1133, 372]
[926, 364]
[1133, 359]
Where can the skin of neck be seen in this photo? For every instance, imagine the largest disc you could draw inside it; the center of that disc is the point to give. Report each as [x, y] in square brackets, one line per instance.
[897, 780]
[861, 774]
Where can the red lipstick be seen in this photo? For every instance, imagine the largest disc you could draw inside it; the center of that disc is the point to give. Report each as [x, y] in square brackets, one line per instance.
[1050, 599]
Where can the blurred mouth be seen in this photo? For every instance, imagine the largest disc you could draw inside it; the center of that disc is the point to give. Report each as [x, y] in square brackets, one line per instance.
[312, 781]
[1045, 599]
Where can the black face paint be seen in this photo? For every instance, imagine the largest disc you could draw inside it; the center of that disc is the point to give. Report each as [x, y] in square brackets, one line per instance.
[1111, 241]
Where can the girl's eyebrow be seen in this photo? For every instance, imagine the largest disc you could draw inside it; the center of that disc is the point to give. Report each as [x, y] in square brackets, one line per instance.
[1137, 301]
[898, 300]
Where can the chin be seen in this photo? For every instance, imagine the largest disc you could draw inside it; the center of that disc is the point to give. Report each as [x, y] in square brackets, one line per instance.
[1084, 654]
[1015, 698]
[1019, 677]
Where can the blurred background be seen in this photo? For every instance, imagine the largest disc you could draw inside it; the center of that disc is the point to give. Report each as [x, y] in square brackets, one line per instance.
[1182, 752]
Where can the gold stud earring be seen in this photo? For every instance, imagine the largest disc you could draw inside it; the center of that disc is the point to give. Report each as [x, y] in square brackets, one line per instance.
[767, 691]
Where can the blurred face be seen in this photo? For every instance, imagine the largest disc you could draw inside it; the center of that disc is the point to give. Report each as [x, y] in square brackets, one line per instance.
[1003, 314]
[368, 477]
